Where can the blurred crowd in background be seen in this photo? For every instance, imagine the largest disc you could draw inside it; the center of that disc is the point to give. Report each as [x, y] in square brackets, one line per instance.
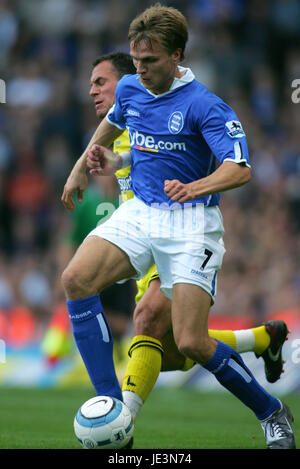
[247, 52]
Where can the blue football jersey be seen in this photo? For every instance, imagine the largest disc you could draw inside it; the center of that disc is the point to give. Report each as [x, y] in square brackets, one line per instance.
[176, 135]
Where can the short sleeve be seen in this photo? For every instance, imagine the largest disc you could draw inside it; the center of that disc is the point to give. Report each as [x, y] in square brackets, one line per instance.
[224, 134]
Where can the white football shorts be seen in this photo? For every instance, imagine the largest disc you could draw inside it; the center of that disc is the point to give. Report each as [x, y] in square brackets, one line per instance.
[186, 243]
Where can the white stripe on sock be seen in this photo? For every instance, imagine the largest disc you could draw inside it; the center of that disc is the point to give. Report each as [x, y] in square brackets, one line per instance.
[103, 327]
[239, 369]
[245, 340]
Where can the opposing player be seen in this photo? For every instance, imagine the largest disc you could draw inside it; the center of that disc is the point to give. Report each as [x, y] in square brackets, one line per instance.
[175, 124]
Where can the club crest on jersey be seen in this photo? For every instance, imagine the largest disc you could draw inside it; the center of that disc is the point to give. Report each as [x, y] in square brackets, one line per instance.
[176, 122]
[235, 129]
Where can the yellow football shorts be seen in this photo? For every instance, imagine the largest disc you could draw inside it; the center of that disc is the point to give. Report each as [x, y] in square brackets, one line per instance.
[143, 283]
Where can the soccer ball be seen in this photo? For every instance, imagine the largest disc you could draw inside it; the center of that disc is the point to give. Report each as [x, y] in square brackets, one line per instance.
[103, 422]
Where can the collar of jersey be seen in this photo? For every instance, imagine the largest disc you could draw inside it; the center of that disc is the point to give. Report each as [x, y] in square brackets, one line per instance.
[187, 77]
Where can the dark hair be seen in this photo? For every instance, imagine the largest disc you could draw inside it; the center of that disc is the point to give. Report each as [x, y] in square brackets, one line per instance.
[165, 25]
[121, 62]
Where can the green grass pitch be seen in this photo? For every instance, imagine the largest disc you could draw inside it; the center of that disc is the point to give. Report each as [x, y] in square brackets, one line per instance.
[171, 418]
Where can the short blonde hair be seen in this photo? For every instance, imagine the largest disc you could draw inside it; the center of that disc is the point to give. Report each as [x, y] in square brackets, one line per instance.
[164, 25]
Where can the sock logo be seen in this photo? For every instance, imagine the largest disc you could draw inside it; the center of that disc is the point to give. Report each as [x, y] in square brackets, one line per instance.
[80, 316]
[223, 363]
[129, 383]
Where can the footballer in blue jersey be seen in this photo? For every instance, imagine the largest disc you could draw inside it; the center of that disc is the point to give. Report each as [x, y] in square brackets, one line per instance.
[140, 232]
[176, 135]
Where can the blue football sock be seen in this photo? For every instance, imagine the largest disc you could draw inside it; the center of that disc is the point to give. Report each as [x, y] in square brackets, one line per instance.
[95, 343]
[230, 370]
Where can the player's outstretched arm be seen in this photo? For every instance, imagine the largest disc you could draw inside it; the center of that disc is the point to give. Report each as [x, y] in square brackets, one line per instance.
[77, 180]
[227, 176]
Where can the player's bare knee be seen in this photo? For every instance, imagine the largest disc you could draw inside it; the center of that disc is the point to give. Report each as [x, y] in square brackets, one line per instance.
[196, 348]
[185, 348]
[75, 284]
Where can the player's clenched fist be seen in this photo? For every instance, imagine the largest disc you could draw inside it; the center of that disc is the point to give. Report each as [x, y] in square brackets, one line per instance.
[102, 161]
[177, 191]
